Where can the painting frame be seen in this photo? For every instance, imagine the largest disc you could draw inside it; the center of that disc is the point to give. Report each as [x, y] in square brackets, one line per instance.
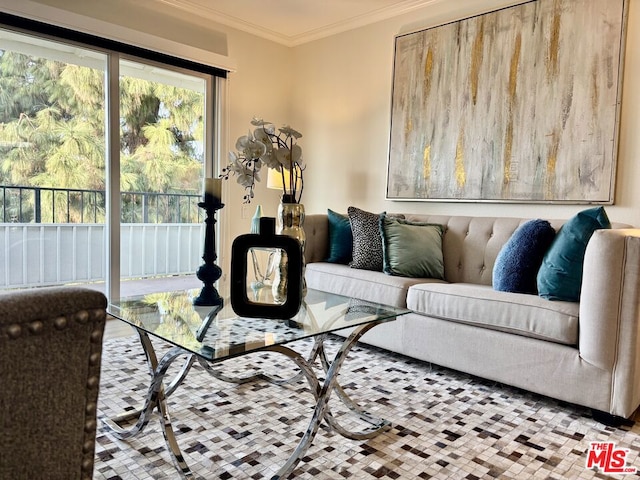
[516, 105]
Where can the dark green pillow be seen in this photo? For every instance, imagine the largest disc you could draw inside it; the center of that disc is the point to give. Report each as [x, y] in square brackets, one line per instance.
[560, 276]
[340, 238]
[411, 249]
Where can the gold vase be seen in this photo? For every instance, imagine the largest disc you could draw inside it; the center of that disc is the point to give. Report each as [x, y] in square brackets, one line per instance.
[290, 223]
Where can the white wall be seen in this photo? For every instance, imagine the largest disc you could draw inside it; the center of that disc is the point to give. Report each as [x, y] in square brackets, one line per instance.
[343, 107]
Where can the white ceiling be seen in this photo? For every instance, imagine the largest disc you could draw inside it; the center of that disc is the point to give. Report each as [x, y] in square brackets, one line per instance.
[293, 22]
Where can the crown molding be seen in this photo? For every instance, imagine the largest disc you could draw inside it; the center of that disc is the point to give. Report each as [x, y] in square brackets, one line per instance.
[224, 19]
[373, 16]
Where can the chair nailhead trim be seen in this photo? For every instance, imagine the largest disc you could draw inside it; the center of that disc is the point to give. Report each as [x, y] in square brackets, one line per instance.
[92, 382]
[82, 317]
[60, 323]
[14, 331]
[90, 426]
[96, 336]
[36, 327]
[94, 359]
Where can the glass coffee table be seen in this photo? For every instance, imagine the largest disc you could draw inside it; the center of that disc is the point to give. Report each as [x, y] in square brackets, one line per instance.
[211, 335]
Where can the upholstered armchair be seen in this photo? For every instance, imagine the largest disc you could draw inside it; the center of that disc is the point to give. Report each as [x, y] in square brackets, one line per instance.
[50, 352]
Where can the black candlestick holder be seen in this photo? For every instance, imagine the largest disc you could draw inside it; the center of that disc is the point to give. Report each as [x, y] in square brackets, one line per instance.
[209, 272]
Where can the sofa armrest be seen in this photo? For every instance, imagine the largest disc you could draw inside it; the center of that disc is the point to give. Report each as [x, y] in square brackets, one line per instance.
[316, 229]
[610, 311]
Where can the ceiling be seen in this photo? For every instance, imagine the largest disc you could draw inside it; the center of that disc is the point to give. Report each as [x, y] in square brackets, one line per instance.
[293, 22]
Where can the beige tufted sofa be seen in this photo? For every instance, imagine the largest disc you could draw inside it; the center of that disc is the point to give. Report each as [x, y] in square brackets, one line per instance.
[50, 352]
[587, 353]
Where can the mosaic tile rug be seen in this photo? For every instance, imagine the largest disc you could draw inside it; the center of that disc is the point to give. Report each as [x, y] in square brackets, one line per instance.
[446, 424]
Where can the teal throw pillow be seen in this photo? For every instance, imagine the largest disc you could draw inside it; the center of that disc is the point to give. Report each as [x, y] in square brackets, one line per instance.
[340, 238]
[560, 276]
[411, 249]
[519, 259]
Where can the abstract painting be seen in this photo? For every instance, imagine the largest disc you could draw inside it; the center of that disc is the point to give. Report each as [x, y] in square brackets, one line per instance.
[516, 105]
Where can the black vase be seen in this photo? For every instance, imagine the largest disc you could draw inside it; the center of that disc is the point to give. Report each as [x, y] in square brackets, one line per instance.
[290, 247]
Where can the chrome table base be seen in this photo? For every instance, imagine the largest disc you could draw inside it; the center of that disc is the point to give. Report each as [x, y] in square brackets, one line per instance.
[321, 389]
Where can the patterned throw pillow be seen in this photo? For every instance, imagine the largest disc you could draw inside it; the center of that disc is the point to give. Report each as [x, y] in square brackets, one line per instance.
[367, 242]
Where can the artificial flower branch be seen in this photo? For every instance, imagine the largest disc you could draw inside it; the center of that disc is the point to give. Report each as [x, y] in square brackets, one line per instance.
[278, 151]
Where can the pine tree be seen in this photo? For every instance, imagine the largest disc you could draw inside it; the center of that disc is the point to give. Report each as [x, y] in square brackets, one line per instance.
[52, 133]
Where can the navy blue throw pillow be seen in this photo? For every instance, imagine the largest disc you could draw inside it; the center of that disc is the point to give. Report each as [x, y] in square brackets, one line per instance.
[340, 238]
[519, 260]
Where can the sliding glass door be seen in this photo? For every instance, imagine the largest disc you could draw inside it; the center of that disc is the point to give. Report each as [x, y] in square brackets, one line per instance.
[61, 138]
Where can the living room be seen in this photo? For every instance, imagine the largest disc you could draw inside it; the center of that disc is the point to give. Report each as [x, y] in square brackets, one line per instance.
[337, 91]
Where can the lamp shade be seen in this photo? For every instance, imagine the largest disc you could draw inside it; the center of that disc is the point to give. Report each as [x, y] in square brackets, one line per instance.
[274, 180]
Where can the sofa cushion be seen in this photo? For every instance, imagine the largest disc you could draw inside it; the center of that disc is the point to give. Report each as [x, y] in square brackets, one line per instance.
[519, 259]
[411, 249]
[560, 276]
[480, 305]
[363, 284]
[340, 237]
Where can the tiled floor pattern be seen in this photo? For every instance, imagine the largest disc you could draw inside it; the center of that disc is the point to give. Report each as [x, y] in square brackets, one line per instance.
[447, 425]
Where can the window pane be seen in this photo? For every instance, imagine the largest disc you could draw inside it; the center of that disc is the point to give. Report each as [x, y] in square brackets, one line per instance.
[52, 163]
[161, 170]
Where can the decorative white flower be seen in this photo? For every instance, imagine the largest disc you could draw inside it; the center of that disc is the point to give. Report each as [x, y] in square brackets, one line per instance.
[250, 147]
[290, 132]
[269, 157]
[278, 151]
[244, 173]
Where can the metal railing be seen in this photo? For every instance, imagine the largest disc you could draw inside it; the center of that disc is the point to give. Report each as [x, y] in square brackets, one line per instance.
[20, 204]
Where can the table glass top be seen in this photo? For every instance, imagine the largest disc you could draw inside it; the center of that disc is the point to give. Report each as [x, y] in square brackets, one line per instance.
[217, 333]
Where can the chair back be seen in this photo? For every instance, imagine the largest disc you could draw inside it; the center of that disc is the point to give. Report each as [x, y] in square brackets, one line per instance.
[50, 353]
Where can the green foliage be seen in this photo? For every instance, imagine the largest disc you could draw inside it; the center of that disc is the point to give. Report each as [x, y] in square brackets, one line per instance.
[52, 129]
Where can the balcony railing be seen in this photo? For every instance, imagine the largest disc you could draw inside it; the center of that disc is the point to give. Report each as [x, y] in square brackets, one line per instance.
[19, 204]
[52, 236]
[53, 254]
